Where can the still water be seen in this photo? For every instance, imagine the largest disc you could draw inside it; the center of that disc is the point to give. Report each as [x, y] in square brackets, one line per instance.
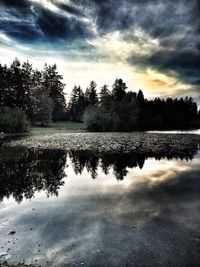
[195, 131]
[75, 209]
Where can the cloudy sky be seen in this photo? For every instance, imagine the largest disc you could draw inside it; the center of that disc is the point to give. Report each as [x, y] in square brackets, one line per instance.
[154, 45]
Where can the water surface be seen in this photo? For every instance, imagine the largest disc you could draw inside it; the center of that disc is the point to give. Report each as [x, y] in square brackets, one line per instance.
[81, 209]
[195, 131]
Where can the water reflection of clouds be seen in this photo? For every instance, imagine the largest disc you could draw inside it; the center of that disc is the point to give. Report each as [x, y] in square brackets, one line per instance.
[153, 172]
[111, 221]
[156, 172]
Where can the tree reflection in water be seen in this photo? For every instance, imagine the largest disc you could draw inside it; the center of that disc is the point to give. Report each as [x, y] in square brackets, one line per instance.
[26, 171]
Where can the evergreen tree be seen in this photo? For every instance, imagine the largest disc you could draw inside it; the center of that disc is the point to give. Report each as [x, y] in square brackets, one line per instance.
[16, 85]
[104, 93]
[119, 89]
[140, 97]
[77, 104]
[3, 85]
[36, 89]
[142, 115]
[52, 83]
[27, 83]
[91, 94]
[42, 106]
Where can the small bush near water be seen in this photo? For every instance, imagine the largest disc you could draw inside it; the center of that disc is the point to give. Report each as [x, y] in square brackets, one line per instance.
[12, 120]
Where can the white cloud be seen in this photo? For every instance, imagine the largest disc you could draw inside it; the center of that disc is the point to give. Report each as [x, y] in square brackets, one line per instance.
[117, 45]
[6, 40]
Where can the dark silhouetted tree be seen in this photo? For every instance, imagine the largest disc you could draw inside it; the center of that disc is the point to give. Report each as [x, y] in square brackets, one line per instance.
[140, 97]
[41, 105]
[104, 93]
[16, 85]
[76, 104]
[52, 83]
[91, 94]
[119, 89]
[27, 84]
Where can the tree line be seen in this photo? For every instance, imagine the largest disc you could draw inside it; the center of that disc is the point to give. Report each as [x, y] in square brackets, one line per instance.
[121, 110]
[39, 94]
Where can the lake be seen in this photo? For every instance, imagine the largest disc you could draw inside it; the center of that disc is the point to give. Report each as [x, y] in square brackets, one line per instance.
[195, 131]
[74, 208]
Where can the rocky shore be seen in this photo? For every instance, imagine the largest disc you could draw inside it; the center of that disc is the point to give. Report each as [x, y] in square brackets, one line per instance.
[137, 142]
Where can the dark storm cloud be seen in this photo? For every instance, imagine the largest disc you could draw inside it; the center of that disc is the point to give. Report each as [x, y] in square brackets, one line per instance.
[71, 9]
[22, 31]
[14, 3]
[175, 24]
[18, 22]
[184, 64]
[31, 21]
[54, 25]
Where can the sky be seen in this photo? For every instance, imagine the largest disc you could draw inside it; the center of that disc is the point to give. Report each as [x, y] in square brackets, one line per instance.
[154, 45]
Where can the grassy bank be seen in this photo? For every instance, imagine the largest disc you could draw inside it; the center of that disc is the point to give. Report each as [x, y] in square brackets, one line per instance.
[59, 127]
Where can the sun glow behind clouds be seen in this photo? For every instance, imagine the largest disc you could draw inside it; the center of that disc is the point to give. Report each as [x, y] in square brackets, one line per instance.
[116, 48]
[82, 72]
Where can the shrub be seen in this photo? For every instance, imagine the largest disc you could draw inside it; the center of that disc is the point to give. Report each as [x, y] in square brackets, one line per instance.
[12, 120]
[116, 118]
[97, 120]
